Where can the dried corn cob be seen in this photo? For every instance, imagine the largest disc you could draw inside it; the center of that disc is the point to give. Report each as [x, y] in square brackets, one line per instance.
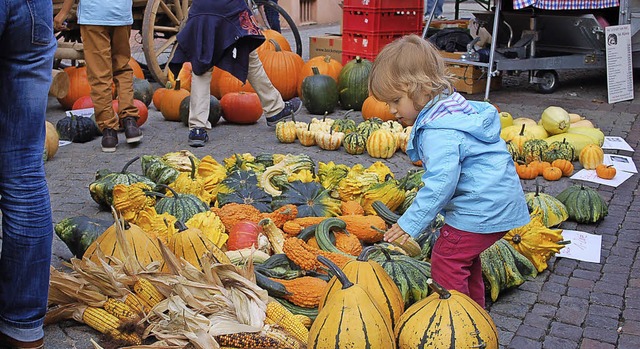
[305, 320]
[278, 314]
[147, 292]
[248, 340]
[100, 320]
[136, 304]
[119, 309]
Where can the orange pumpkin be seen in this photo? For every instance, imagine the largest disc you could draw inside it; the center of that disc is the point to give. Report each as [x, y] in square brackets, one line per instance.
[228, 83]
[170, 103]
[268, 45]
[143, 112]
[373, 108]
[215, 83]
[157, 96]
[552, 173]
[137, 70]
[283, 69]
[78, 85]
[326, 65]
[526, 171]
[605, 171]
[185, 76]
[564, 165]
[241, 107]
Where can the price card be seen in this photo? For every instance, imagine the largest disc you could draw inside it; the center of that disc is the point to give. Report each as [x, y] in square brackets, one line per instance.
[590, 176]
[583, 247]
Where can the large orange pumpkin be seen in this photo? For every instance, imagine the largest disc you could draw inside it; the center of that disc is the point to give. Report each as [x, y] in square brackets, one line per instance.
[283, 69]
[228, 83]
[137, 70]
[373, 108]
[185, 76]
[214, 85]
[170, 103]
[326, 65]
[78, 85]
[268, 44]
[241, 107]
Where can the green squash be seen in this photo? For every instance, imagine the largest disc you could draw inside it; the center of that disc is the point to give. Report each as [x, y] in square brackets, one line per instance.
[367, 127]
[77, 129]
[181, 206]
[319, 93]
[533, 150]
[101, 189]
[560, 150]
[142, 90]
[80, 231]
[354, 143]
[409, 274]
[236, 180]
[584, 204]
[344, 125]
[312, 199]
[251, 195]
[154, 168]
[512, 148]
[353, 83]
[503, 267]
[215, 110]
[553, 211]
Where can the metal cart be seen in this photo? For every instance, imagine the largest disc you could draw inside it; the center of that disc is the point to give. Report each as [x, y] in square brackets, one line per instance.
[540, 42]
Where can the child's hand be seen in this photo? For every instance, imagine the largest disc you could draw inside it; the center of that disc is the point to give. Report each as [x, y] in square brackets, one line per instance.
[394, 233]
[59, 22]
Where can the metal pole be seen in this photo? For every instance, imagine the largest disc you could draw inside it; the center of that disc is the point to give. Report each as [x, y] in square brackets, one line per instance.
[492, 50]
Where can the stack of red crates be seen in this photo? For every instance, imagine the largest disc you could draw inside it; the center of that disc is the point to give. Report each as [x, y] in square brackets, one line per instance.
[368, 25]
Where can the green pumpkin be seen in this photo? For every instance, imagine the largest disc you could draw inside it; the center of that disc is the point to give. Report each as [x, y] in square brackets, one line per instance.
[353, 83]
[253, 196]
[142, 90]
[344, 125]
[512, 148]
[583, 204]
[503, 267]
[553, 211]
[77, 129]
[101, 189]
[312, 199]
[560, 150]
[354, 143]
[181, 206]
[534, 149]
[154, 168]
[409, 274]
[367, 127]
[319, 93]
[215, 110]
[80, 231]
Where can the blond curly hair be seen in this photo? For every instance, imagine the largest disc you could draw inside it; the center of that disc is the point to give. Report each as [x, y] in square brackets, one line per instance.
[409, 65]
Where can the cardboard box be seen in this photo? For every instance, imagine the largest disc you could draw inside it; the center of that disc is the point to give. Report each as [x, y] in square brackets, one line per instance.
[469, 78]
[330, 44]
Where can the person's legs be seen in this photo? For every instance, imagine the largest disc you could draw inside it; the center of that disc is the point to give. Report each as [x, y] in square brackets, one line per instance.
[26, 59]
[270, 98]
[199, 105]
[123, 79]
[273, 17]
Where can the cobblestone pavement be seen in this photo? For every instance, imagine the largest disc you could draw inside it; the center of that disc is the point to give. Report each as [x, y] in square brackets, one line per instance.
[571, 305]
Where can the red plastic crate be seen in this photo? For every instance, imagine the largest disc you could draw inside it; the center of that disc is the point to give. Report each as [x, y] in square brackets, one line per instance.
[384, 4]
[366, 43]
[361, 20]
[347, 56]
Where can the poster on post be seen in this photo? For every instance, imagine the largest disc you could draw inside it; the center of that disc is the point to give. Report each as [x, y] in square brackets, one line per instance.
[619, 65]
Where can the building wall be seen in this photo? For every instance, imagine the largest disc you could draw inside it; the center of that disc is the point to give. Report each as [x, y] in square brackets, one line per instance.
[313, 11]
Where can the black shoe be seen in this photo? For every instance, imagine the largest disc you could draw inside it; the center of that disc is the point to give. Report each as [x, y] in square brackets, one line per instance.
[10, 343]
[291, 107]
[131, 130]
[198, 137]
[109, 140]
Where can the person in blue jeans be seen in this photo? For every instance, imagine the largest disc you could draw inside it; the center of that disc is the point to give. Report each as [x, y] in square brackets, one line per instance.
[273, 17]
[27, 46]
[436, 6]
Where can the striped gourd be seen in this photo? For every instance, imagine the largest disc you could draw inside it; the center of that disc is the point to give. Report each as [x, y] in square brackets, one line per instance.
[446, 319]
[534, 149]
[553, 211]
[583, 204]
[350, 318]
[374, 279]
[381, 144]
[409, 274]
[181, 206]
[367, 127]
[191, 244]
[354, 143]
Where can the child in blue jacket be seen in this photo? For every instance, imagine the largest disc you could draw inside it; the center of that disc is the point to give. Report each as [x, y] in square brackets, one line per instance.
[470, 176]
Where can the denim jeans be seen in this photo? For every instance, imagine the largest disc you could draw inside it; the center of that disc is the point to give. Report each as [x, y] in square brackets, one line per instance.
[27, 45]
[435, 6]
[273, 17]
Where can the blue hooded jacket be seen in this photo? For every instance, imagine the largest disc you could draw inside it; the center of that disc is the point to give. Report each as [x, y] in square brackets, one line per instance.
[470, 176]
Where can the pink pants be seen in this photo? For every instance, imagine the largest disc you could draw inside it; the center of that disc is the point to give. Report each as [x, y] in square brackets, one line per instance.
[455, 260]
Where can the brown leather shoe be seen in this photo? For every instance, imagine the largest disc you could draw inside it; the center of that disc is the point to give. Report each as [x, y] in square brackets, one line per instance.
[131, 130]
[10, 343]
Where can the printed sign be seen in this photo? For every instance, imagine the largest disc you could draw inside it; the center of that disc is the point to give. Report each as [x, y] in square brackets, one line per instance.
[619, 65]
[590, 176]
[617, 143]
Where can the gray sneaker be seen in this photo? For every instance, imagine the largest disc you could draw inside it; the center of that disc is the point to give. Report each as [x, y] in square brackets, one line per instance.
[109, 140]
[291, 107]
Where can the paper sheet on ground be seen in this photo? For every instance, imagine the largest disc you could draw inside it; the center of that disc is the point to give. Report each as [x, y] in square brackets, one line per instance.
[620, 162]
[590, 176]
[583, 247]
[86, 112]
[618, 143]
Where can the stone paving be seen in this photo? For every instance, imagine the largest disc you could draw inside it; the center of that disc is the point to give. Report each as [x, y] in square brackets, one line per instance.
[569, 306]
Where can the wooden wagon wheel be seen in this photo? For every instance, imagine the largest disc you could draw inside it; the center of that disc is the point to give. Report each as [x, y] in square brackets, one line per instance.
[163, 19]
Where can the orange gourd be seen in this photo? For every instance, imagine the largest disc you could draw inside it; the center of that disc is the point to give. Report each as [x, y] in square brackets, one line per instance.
[51, 141]
[228, 83]
[171, 99]
[78, 85]
[185, 76]
[526, 171]
[564, 165]
[605, 171]
[241, 107]
[591, 156]
[552, 173]
[283, 69]
[268, 45]
[373, 108]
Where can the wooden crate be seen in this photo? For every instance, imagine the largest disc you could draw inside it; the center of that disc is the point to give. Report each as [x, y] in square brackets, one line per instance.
[468, 78]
